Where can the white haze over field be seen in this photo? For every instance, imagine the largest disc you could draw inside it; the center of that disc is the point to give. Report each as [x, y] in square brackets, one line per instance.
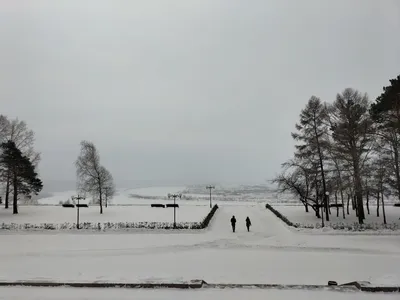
[179, 92]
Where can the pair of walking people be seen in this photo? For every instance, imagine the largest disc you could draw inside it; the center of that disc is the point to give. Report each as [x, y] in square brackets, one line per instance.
[233, 223]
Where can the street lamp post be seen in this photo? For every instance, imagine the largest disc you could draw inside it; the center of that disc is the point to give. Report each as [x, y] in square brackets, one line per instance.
[210, 187]
[77, 212]
[175, 196]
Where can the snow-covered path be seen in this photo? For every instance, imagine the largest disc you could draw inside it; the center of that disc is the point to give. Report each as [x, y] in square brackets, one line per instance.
[270, 253]
[263, 221]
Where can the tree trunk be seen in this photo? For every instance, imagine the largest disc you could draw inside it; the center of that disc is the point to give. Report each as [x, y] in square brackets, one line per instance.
[368, 202]
[342, 197]
[306, 206]
[337, 206]
[317, 213]
[383, 209]
[397, 168]
[101, 204]
[15, 201]
[377, 207]
[355, 205]
[348, 203]
[359, 197]
[6, 204]
[321, 164]
[329, 206]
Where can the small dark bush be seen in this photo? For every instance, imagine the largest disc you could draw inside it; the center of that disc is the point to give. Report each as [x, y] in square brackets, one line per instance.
[82, 205]
[173, 205]
[68, 205]
[280, 216]
[158, 205]
[396, 205]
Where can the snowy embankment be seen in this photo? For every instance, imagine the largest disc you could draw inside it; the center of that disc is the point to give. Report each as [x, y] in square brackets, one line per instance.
[372, 223]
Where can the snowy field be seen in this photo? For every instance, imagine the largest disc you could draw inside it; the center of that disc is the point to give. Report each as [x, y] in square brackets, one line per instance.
[192, 195]
[123, 196]
[59, 214]
[297, 214]
[209, 294]
[270, 253]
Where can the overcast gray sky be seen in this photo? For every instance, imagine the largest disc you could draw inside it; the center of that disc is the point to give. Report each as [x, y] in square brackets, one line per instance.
[190, 91]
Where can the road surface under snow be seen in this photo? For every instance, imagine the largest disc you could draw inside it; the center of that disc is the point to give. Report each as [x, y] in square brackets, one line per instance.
[270, 253]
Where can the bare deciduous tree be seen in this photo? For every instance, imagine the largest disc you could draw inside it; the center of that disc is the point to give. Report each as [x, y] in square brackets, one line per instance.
[92, 177]
[110, 189]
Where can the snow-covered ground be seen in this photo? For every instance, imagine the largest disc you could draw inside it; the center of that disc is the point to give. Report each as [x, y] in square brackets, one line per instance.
[297, 214]
[59, 214]
[270, 253]
[26, 293]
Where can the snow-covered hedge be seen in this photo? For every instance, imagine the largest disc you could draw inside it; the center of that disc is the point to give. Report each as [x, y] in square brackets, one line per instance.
[337, 226]
[352, 227]
[112, 225]
[101, 226]
[280, 216]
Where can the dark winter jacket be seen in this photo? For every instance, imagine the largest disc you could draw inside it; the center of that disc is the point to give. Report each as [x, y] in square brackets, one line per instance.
[233, 220]
[248, 222]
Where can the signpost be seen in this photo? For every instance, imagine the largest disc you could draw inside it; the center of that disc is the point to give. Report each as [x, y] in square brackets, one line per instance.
[77, 212]
[175, 196]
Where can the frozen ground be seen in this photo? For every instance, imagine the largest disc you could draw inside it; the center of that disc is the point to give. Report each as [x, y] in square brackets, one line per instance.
[297, 214]
[59, 214]
[270, 253]
[125, 294]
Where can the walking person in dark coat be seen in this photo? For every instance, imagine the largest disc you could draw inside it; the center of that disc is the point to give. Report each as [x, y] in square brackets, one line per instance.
[233, 223]
[248, 224]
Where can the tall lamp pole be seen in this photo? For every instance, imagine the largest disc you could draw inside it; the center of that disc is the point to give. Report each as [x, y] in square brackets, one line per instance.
[210, 187]
[77, 212]
[175, 196]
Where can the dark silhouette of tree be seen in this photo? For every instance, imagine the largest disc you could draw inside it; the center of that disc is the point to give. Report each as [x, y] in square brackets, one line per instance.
[24, 138]
[386, 113]
[20, 170]
[353, 133]
[312, 136]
